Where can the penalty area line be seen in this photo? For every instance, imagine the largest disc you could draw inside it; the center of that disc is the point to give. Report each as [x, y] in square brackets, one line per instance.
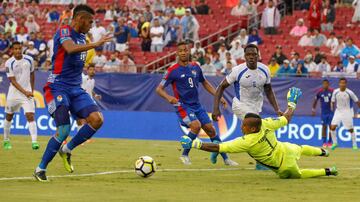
[132, 171]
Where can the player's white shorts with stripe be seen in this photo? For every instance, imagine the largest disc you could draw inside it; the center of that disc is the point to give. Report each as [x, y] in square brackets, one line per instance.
[13, 106]
[344, 117]
[240, 109]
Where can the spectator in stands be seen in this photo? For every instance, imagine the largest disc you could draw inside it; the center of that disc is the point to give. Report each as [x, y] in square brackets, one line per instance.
[101, 9]
[158, 5]
[300, 70]
[145, 36]
[21, 24]
[295, 60]
[279, 55]
[222, 52]
[323, 66]
[99, 59]
[252, 9]
[21, 9]
[192, 7]
[350, 49]
[180, 9]
[332, 41]
[148, 14]
[339, 67]
[242, 37]
[318, 38]
[40, 45]
[239, 10]
[229, 58]
[124, 12]
[209, 53]
[328, 17]
[34, 9]
[54, 15]
[336, 50]
[306, 40]
[32, 51]
[237, 51]
[318, 55]
[300, 29]
[156, 34]
[203, 8]
[352, 65]
[220, 42]
[170, 8]
[160, 16]
[11, 26]
[356, 16]
[254, 37]
[273, 66]
[127, 65]
[190, 26]
[5, 9]
[270, 19]
[4, 58]
[22, 36]
[4, 44]
[314, 16]
[309, 64]
[285, 69]
[133, 30]
[113, 64]
[135, 15]
[110, 13]
[208, 68]
[97, 31]
[46, 66]
[172, 29]
[111, 45]
[122, 35]
[228, 68]
[197, 48]
[305, 5]
[217, 63]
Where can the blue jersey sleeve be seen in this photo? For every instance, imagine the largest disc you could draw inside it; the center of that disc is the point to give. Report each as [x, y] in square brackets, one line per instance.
[64, 33]
[168, 78]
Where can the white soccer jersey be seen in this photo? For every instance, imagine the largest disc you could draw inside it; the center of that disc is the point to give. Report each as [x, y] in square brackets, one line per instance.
[249, 88]
[21, 70]
[88, 84]
[344, 100]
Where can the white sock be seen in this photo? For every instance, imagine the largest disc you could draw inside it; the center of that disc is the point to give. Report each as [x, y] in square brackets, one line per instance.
[7, 126]
[79, 127]
[353, 138]
[33, 131]
[38, 169]
[333, 136]
[65, 149]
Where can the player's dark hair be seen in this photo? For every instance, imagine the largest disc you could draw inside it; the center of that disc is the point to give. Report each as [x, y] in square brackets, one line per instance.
[325, 80]
[15, 43]
[181, 43]
[343, 79]
[251, 46]
[91, 65]
[257, 120]
[82, 8]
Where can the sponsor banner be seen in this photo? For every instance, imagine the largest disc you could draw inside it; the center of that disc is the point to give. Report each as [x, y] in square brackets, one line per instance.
[165, 126]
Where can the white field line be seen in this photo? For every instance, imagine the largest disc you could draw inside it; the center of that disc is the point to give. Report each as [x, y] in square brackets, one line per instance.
[132, 171]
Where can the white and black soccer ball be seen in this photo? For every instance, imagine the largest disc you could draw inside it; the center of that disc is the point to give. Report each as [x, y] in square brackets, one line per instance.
[145, 166]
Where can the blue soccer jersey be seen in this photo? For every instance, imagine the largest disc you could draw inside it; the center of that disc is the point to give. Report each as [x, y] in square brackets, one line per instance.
[67, 68]
[185, 82]
[325, 99]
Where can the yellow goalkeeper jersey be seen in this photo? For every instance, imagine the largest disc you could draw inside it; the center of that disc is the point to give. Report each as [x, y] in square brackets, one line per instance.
[262, 146]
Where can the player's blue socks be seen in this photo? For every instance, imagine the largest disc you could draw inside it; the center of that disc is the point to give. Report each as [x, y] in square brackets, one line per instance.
[217, 140]
[54, 145]
[85, 133]
[192, 136]
[324, 140]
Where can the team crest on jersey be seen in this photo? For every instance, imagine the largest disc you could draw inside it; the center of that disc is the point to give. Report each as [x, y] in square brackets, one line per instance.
[59, 98]
[65, 32]
[194, 72]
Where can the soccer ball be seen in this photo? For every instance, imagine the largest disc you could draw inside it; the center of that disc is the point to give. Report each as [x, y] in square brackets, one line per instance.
[145, 166]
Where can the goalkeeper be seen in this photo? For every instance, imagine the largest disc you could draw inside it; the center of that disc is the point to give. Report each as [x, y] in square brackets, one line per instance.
[260, 142]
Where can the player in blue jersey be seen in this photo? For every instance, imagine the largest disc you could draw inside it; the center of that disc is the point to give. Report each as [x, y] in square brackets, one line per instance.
[324, 95]
[63, 93]
[184, 77]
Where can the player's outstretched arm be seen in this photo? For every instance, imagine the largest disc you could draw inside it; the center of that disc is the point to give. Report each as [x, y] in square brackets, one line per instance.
[21, 89]
[217, 97]
[71, 47]
[188, 143]
[161, 91]
[272, 98]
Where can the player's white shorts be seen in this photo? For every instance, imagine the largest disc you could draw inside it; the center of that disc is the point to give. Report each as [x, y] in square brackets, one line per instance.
[13, 106]
[240, 110]
[346, 118]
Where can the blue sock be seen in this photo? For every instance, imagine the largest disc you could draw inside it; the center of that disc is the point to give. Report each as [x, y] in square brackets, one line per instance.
[51, 149]
[217, 139]
[324, 139]
[85, 133]
[193, 137]
[329, 139]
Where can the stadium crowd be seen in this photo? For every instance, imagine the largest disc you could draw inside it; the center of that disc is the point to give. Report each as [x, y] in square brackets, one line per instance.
[159, 23]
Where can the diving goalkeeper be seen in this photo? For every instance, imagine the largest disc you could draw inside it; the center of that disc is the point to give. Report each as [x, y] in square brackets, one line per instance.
[260, 142]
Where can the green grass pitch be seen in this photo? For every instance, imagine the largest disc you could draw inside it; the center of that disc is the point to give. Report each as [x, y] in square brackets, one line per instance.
[177, 183]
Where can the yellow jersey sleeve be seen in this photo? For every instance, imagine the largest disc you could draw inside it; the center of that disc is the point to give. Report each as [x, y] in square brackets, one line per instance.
[235, 146]
[274, 123]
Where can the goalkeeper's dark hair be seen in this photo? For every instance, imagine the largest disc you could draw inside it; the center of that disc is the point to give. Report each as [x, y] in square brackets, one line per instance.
[82, 8]
[256, 120]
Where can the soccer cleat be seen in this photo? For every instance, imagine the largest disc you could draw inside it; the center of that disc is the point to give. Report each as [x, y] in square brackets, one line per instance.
[334, 171]
[185, 160]
[326, 153]
[329, 144]
[40, 176]
[355, 147]
[325, 145]
[230, 162]
[7, 145]
[66, 160]
[35, 145]
[334, 146]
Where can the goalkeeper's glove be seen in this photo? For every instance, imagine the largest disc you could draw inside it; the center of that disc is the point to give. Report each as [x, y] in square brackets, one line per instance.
[187, 143]
[293, 96]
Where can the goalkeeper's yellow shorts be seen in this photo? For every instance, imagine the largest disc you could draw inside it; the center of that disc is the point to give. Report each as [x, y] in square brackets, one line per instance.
[289, 167]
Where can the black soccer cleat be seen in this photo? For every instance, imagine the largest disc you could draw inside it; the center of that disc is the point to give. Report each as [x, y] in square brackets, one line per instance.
[40, 176]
